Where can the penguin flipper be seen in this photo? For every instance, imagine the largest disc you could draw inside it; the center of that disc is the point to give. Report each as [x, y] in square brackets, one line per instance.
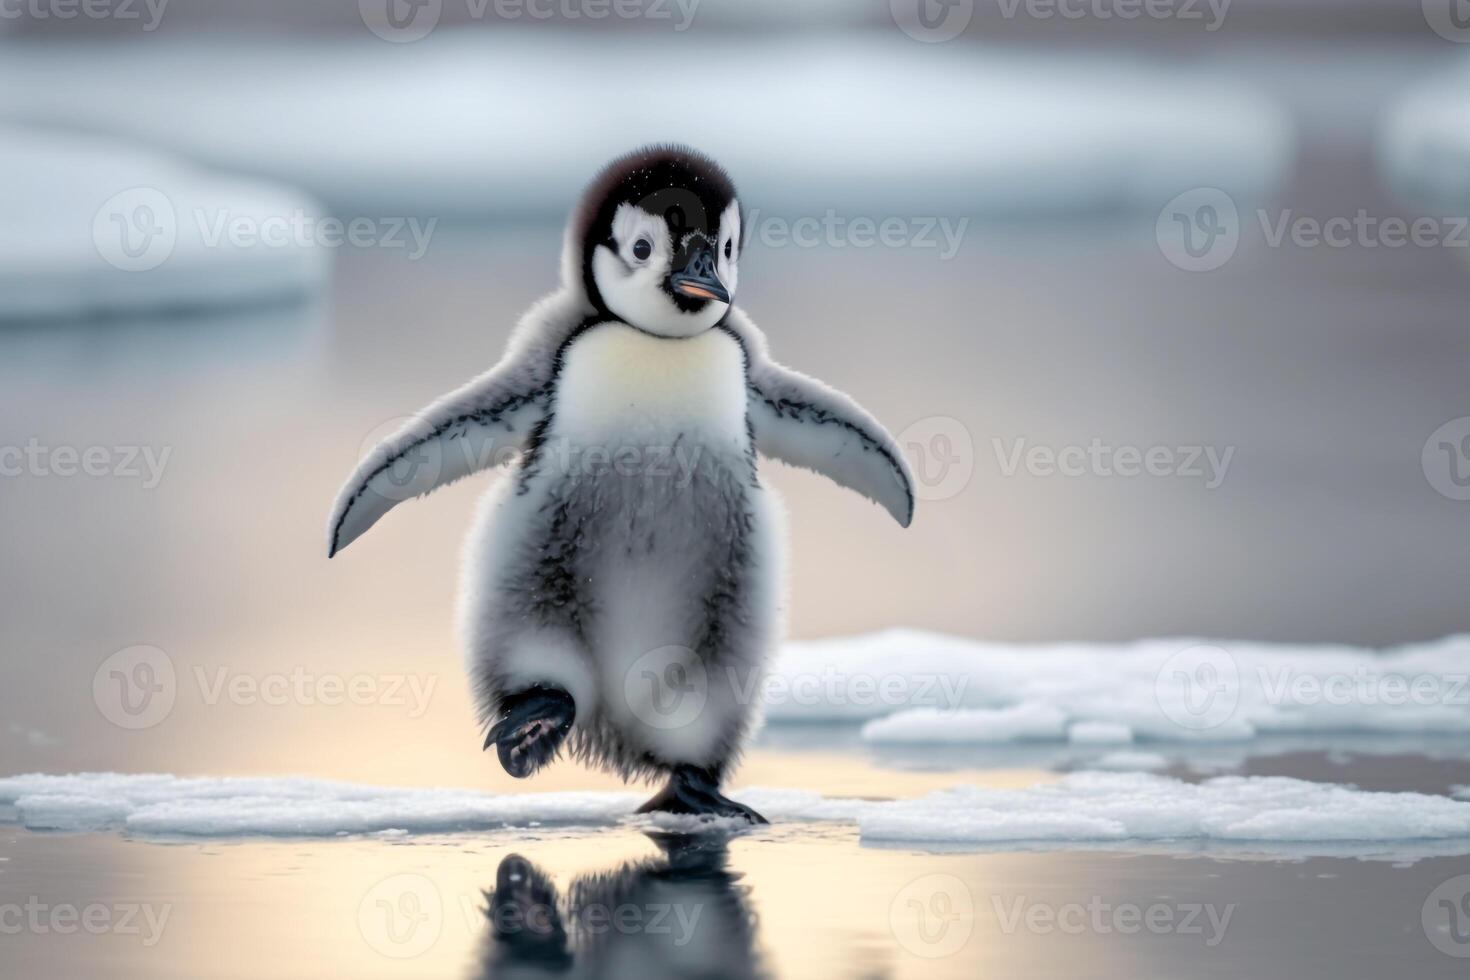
[802, 421]
[481, 425]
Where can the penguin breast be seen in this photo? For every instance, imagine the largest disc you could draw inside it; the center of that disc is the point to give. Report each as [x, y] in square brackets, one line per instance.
[621, 387]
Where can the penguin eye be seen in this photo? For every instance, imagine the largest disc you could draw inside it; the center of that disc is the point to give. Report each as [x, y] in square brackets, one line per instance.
[642, 249]
[727, 248]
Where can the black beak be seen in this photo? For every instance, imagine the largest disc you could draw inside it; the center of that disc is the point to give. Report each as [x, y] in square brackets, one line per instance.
[698, 279]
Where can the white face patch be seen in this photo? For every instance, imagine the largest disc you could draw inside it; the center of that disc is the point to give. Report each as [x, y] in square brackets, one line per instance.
[632, 275]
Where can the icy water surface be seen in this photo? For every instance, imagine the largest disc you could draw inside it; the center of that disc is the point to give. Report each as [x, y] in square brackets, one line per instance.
[794, 899]
[791, 901]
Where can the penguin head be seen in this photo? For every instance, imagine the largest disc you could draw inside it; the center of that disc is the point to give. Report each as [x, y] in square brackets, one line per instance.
[656, 239]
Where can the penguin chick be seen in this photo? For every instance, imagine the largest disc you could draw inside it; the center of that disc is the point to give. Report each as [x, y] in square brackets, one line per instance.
[622, 588]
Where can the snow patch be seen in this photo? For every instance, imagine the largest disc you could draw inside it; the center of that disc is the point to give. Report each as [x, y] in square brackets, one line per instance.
[232, 806]
[1027, 721]
[1424, 143]
[1143, 806]
[928, 687]
[1081, 808]
[89, 225]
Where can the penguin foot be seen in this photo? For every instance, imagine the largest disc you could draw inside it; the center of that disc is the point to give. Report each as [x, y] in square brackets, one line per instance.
[523, 915]
[696, 792]
[533, 723]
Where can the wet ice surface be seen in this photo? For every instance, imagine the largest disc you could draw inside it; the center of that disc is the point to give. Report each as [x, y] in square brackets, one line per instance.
[812, 895]
[793, 899]
[1266, 815]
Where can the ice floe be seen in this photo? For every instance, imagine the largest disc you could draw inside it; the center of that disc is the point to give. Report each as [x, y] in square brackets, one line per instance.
[206, 806]
[1424, 143]
[1142, 806]
[90, 225]
[914, 687]
[1080, 808]
[1028, 720]
[1129, 761]
[444, 127]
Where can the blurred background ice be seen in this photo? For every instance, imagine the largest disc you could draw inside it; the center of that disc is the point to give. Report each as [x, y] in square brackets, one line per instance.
[454, 137]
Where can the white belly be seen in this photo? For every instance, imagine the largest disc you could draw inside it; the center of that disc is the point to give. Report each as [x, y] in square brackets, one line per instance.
[623, 389]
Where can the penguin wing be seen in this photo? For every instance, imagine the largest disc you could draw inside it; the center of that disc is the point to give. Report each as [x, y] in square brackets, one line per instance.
[483, 424]
[802, 421]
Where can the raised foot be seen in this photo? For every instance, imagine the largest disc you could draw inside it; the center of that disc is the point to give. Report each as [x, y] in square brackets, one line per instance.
[696, 792]
[532, 726]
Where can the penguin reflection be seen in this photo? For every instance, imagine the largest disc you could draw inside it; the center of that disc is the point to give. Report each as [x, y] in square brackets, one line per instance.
[682, 914]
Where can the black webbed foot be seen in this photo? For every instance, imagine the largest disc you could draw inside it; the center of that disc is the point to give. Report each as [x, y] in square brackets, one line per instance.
[696, 792]
[533, 723]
